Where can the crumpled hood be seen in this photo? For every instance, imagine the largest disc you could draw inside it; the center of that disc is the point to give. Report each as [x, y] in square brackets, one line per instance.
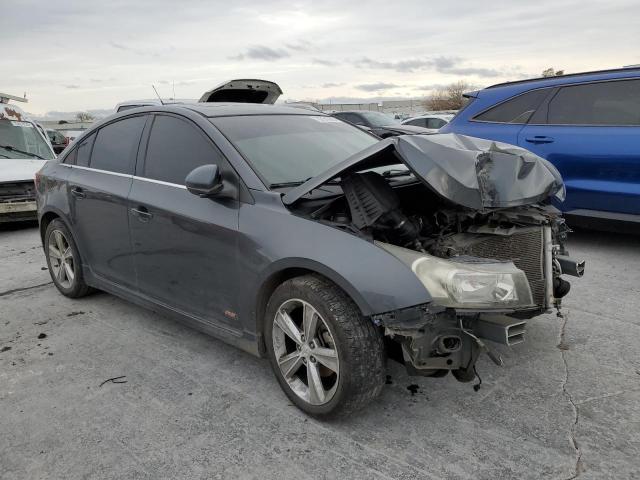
[20, 169]
[468, 171]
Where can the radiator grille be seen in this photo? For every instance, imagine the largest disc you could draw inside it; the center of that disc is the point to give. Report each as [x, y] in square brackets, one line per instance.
[525, 248]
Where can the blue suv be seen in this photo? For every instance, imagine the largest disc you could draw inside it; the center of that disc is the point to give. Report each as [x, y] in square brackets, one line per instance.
[586, 124]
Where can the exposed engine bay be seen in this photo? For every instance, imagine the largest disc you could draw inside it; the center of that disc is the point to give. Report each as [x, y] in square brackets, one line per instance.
[487, 269]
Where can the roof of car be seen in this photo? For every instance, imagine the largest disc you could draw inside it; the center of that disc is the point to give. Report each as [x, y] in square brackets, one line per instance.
[597, 74]
[230, 109]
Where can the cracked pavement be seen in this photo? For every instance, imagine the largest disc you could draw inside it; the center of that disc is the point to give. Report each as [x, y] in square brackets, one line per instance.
[565, 405]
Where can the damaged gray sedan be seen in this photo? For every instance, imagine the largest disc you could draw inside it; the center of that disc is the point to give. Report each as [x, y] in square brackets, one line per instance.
[296, 236]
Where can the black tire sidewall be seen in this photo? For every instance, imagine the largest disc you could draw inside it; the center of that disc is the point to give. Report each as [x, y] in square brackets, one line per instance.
[296, 290]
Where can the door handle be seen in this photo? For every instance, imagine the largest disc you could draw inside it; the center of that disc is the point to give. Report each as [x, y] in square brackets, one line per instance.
[142, 213]
[78, 192]
[538, 139]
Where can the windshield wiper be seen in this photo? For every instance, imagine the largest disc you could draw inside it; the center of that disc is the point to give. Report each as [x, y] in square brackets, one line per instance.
[297, 183]
[24, 152]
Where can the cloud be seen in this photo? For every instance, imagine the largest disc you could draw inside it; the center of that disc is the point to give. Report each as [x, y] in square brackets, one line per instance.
[326, 63]
[72, 87]
[401, 66]
[377, 87]
[447, 65]
[299, 46]
[262, 53]
[332, 85]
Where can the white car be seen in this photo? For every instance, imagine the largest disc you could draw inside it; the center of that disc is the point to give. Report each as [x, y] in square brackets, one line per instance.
[432, 121]
[24, 149]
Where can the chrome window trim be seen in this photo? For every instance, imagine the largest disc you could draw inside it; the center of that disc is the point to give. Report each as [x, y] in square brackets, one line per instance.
[125, 175]
[159, 182]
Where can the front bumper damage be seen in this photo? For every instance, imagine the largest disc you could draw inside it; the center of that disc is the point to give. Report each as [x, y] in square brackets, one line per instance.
[436, 340]
[17, 202]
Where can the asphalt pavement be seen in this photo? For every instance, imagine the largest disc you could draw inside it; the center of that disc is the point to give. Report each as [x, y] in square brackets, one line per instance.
[100, 388]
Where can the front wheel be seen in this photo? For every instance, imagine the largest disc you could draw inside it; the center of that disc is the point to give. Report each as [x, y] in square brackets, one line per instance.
[328, 358]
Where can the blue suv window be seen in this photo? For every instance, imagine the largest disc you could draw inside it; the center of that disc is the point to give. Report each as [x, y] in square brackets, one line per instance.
[603, 103]
[516, 110]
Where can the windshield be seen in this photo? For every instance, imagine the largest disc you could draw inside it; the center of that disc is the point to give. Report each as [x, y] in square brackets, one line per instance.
[20, 139]
[286, 149]
[378, 119]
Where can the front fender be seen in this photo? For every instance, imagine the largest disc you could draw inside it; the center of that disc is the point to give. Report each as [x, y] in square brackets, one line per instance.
[273, 240]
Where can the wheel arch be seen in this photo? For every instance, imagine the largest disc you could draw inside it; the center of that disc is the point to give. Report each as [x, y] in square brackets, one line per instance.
[292, 268]
[47, 217]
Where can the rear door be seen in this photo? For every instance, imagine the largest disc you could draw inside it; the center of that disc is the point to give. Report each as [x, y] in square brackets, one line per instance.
[184, 246]
[99, 185]
[503, 122]
[591, 133]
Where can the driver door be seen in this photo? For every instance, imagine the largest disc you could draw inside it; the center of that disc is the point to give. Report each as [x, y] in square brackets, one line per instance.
[184, 246]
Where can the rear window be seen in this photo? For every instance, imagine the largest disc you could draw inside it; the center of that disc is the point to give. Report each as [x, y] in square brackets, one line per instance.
[292, 148]
[516, 110]
[80, 154]
[605, 103]
[117, 144]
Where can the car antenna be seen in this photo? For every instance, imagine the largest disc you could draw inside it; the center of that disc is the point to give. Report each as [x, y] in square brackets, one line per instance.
[159, 98]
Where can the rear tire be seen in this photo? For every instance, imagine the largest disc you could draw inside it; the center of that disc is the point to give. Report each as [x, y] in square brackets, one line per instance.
[350, 370]
[63, 260]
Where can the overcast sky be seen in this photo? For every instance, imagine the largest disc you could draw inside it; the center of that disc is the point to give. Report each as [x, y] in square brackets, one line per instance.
[82, 55]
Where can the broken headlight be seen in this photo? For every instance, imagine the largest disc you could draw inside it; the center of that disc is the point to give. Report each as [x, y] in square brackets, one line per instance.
[467, 282]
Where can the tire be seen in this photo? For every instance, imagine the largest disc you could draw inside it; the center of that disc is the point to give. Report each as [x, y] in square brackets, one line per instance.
[355, 341]
[68, 280]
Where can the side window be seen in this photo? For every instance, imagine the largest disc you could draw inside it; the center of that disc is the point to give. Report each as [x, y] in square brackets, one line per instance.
[116, 145]
[80, 154]
[604, 103]
[435, 123]
[175, 148]
[418, 122]
[517, 110]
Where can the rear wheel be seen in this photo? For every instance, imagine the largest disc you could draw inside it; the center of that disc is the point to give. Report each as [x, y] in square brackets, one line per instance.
[63, 260]
[328, 359]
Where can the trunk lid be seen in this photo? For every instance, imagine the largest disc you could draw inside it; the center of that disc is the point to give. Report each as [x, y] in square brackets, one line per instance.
[243, 91]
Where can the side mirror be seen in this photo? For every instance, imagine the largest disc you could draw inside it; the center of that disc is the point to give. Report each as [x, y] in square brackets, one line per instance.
[205, 181]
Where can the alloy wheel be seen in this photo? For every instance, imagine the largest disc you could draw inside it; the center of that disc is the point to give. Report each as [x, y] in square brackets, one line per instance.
[305, 352]
[61, 259]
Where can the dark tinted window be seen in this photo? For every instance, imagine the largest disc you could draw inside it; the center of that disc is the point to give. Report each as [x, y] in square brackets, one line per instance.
[606, 103]
[517, 110]
[175, 148]
[116, 145]
[80, 154]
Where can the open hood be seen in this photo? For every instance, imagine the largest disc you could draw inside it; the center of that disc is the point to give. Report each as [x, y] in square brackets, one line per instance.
[472, 172]
[243, 91]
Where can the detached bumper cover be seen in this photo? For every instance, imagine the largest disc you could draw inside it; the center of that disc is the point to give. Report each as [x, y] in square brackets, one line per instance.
[18, 207]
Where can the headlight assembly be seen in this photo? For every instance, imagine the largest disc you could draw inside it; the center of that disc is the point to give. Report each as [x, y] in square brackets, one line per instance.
[464, 283]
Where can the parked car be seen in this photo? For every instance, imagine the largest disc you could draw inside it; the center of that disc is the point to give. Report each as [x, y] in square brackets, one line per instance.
[433, 121]
[586, 124]
[379, 124]
[23, 151]
[299, 237]
[238, 90]
[58, 140]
